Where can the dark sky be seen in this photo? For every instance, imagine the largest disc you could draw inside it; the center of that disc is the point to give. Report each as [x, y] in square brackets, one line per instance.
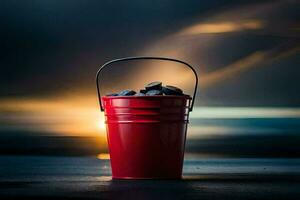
[53, 46]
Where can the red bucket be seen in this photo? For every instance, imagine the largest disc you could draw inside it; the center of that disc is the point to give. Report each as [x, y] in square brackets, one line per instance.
[146, 134]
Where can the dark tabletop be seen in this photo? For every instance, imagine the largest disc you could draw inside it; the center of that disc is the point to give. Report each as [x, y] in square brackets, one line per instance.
[42, 177]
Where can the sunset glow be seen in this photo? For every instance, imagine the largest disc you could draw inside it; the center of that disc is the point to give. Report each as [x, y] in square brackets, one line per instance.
[63, 116]
[222, 27]
[103, 156]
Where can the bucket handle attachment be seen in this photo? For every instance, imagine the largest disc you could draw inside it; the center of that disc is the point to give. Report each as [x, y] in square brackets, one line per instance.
[146, 58]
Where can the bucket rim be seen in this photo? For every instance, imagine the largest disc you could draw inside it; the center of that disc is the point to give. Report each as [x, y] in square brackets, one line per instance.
[149, 97]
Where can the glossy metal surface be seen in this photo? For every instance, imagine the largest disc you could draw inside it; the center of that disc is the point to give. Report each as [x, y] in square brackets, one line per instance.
[146, 135]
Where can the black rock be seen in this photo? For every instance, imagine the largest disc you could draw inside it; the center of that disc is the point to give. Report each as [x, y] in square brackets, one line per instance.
[171, 90]
[157, 85]
[154, 92]
[127, 93]
[143, 91]
[112, 94]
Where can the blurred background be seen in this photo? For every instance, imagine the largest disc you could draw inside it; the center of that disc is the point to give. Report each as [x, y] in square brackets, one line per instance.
[245, 52]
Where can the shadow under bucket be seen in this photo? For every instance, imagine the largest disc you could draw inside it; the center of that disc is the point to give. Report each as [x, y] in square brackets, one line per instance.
[146, 134]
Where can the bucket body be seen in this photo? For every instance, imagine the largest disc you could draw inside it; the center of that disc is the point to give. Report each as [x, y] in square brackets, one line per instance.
[146, 135]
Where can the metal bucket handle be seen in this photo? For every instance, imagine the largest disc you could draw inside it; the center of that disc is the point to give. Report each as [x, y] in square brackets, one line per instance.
[146, 58]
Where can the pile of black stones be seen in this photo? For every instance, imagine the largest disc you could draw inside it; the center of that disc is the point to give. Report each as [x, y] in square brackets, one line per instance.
[151, 89]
